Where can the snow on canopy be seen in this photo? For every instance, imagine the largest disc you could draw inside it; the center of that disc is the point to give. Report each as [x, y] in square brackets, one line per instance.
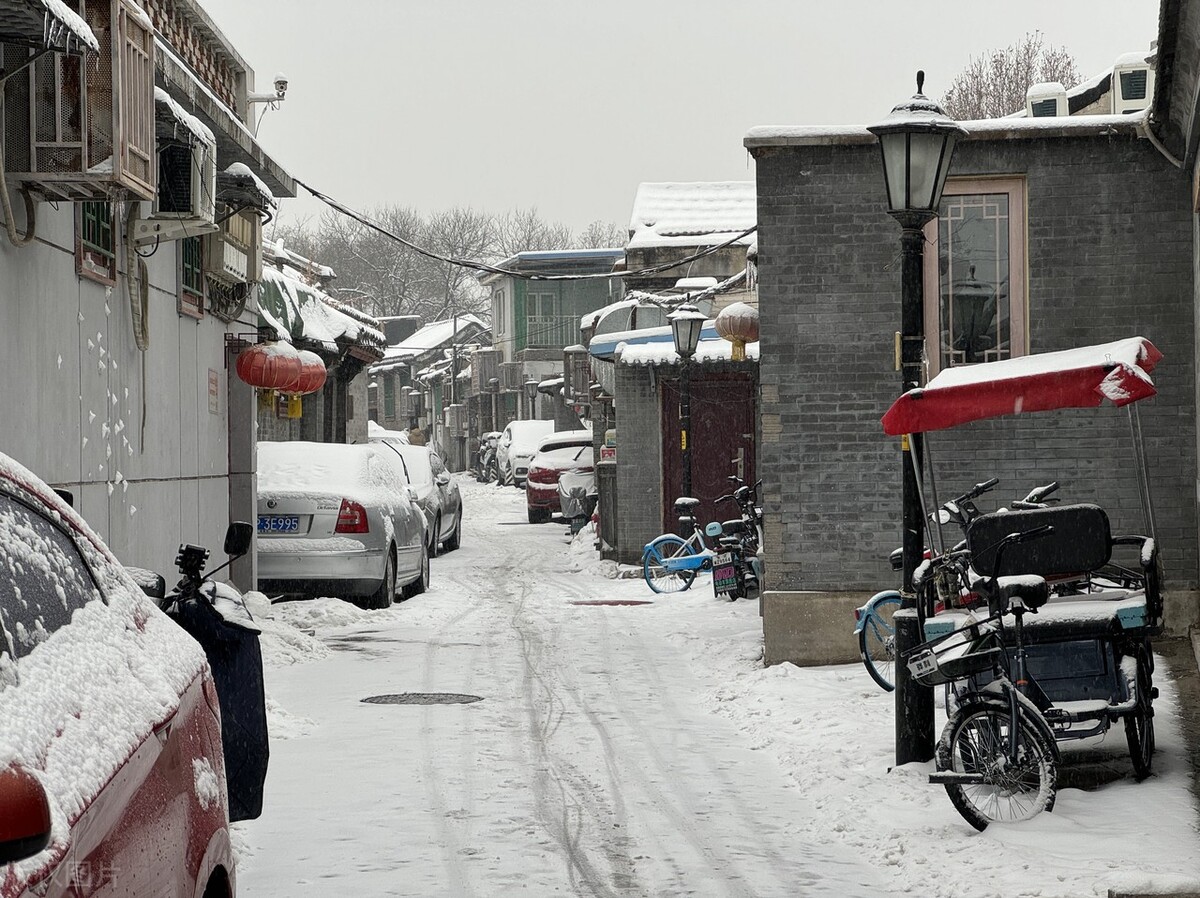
[691, 214]
[192, 124]
[60, 16]
[1072, 378]
[296, 310]
[663, 353]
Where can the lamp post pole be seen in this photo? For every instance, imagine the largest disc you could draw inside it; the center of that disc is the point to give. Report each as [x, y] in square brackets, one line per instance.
[917, 143]
[686, 323]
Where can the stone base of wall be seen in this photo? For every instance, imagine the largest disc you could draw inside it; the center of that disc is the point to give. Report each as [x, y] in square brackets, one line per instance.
[1181, 611]
[808, 628]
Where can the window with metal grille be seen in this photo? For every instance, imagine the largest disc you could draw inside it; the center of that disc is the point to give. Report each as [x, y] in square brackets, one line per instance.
[96, 242]
[191, 277]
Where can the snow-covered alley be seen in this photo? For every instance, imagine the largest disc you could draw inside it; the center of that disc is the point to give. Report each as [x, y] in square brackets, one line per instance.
[634, 750]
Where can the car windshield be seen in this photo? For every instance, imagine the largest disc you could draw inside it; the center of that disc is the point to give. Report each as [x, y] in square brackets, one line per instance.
[416, 460]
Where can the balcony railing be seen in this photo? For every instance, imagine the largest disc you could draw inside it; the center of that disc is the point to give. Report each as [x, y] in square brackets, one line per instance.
[551, 331]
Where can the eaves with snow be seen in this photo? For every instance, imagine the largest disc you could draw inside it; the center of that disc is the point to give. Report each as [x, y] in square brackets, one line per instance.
[707, 352]
[701, 213]
[438, 335]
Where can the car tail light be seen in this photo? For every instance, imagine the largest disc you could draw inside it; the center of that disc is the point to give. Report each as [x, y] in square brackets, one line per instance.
[352, 518]
[543, 475]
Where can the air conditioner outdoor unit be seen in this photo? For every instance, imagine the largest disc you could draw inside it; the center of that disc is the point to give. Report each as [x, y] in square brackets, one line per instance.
[1046, 100]
[233, 252]
[1132, 83]
[185, 203]
[484, 369]
[513, 376]
[80, 128]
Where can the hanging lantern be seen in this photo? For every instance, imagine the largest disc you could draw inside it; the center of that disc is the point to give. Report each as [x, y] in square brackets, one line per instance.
[311, 377]
[269, 366]
[738, 323]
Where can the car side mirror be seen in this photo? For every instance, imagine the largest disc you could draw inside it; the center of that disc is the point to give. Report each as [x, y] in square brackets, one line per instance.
[442, 479]
[412, 494]
[66, 495]
[151, 583]
[25, 812]
[238, 539]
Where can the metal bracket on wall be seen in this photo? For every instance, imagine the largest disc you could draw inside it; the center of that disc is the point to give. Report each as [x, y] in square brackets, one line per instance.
[235, 343]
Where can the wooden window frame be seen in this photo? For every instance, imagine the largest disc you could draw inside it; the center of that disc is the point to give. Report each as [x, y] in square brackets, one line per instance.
[191, 296]
[94, 259]
[1018, 311]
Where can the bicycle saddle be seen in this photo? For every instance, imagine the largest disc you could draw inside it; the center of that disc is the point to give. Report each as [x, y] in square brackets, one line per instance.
[1032, 591]
[685, 505]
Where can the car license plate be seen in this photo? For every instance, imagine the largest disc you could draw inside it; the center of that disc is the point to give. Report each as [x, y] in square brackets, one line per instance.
[278, 523]
[724, 573]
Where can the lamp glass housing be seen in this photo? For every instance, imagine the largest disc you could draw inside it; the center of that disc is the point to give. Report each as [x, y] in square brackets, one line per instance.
[686, 323]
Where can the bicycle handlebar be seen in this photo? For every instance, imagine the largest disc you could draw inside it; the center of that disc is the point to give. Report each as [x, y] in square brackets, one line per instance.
[1038, 494]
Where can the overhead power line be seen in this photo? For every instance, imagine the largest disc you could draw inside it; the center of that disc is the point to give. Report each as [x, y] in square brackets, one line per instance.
[488, 268]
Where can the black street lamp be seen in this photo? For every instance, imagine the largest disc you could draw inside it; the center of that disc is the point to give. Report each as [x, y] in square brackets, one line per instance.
[686, 323]
[917, 141]
[531, 386]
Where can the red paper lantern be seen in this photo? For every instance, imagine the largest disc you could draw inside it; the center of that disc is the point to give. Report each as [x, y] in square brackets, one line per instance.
[312, 373]
[269, 366]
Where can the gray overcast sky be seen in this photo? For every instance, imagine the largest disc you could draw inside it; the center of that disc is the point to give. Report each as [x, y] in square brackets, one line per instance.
[567, 105]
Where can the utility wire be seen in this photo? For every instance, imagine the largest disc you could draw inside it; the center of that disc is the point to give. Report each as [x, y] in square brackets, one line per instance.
[523, 275]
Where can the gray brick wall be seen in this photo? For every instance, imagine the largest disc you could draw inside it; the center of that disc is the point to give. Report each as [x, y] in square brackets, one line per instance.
[639, 462]
[1109, 256]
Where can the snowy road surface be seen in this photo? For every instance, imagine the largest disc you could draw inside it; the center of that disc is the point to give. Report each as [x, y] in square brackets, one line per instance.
[633, 750]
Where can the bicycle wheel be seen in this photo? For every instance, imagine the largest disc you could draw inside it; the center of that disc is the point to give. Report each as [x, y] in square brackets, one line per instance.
[877, 641]
[975, 741]
[657, 577]
[1139, 726]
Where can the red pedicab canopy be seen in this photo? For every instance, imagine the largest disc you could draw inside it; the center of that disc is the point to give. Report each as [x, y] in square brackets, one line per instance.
[1073, 378]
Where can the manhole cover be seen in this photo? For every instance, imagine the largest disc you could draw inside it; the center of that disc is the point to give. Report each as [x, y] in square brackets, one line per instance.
[612, 602]
[423, 698]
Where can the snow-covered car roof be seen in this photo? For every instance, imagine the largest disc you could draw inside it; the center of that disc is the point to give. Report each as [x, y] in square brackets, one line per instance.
[362, 472]
[565, 438]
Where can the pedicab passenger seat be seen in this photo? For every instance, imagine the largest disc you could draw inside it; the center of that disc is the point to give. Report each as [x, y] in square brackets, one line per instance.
[1080, 544]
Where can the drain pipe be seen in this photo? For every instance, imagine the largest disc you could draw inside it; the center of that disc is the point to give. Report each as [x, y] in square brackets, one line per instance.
[10, 224]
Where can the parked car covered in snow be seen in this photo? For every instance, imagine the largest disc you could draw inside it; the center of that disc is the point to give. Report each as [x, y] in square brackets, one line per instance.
[516, 446]
[112, 779]
[338, 520]
[437, 494]
[566, 450]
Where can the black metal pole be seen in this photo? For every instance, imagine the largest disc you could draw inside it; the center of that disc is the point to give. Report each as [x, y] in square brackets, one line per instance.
[914, 702]
[685, 424]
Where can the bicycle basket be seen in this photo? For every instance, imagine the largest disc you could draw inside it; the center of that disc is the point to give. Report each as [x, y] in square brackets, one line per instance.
[955, 656]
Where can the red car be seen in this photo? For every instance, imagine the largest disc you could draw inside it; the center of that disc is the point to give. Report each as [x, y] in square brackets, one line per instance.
[112, 779]
[567, 450]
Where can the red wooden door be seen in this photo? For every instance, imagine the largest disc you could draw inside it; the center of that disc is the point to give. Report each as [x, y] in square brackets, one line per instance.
[722, 441]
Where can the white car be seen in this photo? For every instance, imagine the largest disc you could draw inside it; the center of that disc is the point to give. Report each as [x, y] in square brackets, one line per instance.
[516, 446]
[437, 494]
[341, 520]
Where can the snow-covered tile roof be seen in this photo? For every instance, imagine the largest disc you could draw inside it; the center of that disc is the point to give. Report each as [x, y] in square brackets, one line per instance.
[299, 311]
[431, 336]
[673, 213]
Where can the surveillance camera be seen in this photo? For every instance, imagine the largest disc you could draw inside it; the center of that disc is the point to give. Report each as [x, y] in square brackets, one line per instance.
[281, 85]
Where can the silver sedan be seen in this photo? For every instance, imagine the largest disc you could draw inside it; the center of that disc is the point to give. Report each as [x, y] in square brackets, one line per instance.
[437, 494]
[336, 519]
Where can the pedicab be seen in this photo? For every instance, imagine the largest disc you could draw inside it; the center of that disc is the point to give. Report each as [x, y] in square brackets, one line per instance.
[1078, 659]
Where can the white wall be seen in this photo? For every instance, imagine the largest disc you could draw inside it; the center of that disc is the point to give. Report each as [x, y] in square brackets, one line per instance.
[78, 395]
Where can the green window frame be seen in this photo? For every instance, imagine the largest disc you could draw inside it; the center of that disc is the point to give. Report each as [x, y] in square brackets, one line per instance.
[191, 277]
[96, 241]
[389, 397]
